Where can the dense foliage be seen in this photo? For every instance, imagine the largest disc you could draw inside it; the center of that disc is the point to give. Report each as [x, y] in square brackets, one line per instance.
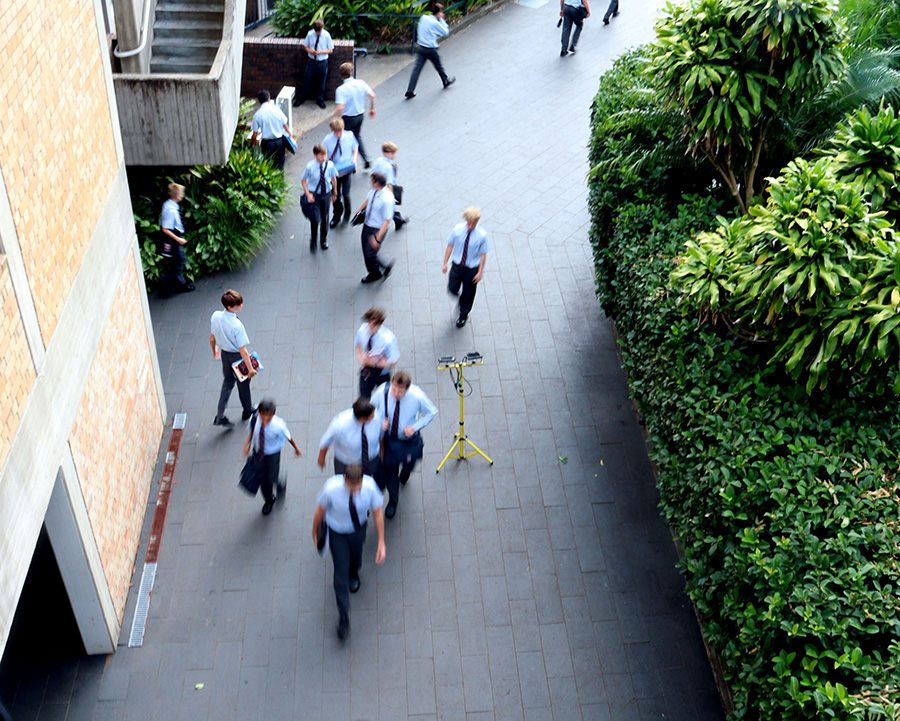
[733, 67]
[786, 504]
[349, 19]
[227, 211]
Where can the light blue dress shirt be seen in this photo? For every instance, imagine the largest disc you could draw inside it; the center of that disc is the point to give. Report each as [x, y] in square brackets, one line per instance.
[416, 409]
[269, 121]
[335, 499]
[325, 43]
[345, 434]
[352, 95]
[429, 30]
[170, 218]
[229, 331]
[347, 145]
[385, 166]
[479, 244]
[384, 343]
[277, 434]
[380, 207]
[312, 175]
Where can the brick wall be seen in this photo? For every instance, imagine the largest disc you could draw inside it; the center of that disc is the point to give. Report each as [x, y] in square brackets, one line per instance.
[116, 435]
[16, 367]
[271, 63]
[56, 140]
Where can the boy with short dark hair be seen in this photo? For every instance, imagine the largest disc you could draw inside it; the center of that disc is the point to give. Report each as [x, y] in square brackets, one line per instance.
[319, 181]
[268, 434]
[229, 341]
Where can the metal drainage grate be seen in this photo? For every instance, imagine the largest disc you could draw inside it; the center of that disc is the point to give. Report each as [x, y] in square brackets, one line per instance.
[178, 423]
[143, 606]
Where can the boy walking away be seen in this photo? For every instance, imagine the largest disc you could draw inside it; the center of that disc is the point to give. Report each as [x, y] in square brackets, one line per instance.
[350, 98]
[173, 242]
[344, 505]
[270, 126]
[572, 11]
[268, 434]
[229, 341]
[319, 181]
[428, 31]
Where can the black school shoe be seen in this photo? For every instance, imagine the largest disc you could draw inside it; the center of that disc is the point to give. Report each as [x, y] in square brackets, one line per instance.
[222, 421]
[354, 584]
[343, 627]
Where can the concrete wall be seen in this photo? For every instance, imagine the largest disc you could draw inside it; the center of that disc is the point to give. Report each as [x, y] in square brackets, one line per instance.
[184, 119]
[70, 287]
[271, 63]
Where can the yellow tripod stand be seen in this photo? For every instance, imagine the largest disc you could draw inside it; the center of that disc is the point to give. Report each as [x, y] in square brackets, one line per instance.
[460, 439]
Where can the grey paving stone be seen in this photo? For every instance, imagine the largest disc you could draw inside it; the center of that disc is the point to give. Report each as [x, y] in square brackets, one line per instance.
[533, 680]
[420, 693]
[477, 684]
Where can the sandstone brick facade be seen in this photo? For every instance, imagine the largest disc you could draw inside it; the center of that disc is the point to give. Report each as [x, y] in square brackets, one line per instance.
[16, 367]
[116, 435]
[57, 146]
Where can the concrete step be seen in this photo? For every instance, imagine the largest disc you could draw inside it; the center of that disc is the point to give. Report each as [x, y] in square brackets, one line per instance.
[188, 50]
[206, 29]
[182, 12]
[179, 65]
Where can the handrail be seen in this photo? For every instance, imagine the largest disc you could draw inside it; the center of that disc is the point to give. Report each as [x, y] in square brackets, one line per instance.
[145, 26]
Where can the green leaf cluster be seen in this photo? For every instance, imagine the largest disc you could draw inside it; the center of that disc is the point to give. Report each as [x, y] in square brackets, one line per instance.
[228, 211]
[815, 270]
[732, 67]
[637, 151]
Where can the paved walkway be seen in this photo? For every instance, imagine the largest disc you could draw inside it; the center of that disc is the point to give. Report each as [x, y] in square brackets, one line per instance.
[541, 588]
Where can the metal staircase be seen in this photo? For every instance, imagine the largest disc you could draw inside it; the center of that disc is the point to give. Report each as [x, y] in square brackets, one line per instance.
[186, 35]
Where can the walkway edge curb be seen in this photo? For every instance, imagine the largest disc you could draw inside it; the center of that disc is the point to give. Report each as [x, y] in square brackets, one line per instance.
[712, 655]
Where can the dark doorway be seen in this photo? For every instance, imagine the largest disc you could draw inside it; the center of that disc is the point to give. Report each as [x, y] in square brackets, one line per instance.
[44, 645]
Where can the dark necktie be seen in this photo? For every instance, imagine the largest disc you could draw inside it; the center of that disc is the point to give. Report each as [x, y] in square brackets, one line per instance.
[316, 46]
[354, 516]
[365, 450]
[369, 344]
[337, 149]
[261, 443]
[465, 249]
[395, 423]
[321, 188]
[369, 207]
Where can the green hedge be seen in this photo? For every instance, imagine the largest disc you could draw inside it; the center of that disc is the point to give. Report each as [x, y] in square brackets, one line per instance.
[228, 211]
[786, 504]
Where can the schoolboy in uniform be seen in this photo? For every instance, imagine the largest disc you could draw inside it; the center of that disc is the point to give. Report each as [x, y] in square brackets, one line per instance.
[344, 505]
[320, 187]
[268, 434]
